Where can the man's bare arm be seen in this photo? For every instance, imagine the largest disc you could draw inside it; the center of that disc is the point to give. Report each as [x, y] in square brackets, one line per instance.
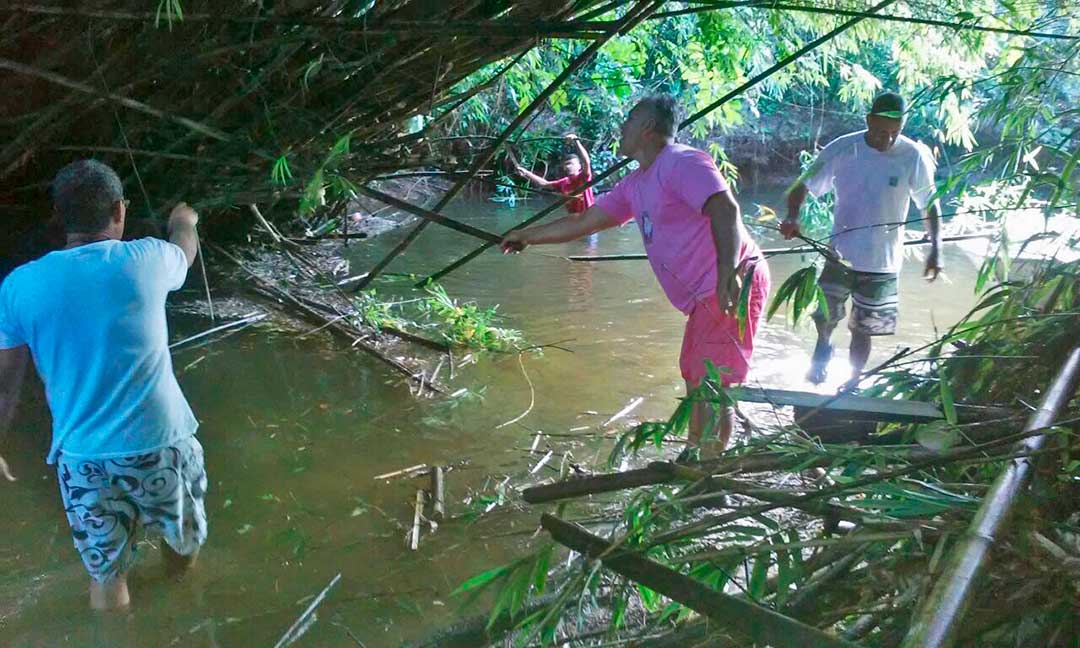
[795, 199]
[723, 212]
[583, 153]
[533, 178]
[182, 232]
[560, 231]
[12, 370]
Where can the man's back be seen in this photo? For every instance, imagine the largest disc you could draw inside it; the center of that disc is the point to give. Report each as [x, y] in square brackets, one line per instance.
[94, 319]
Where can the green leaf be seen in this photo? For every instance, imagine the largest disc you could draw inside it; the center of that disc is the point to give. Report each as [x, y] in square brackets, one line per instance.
[484, 578]
[743, 310]
[948, 406]
[759, 575]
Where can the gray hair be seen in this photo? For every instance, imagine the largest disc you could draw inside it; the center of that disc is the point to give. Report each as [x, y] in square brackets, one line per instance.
[83, 194]
[664, 110]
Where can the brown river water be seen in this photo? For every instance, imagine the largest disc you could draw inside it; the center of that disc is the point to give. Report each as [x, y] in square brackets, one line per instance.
[296, 428]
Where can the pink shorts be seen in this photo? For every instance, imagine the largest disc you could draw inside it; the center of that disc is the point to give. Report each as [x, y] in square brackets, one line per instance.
[712, 335]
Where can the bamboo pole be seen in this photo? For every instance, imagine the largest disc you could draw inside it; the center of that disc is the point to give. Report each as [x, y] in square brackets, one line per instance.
[771, 252]
[429, 215]
[758, 78]
[939, 621]
[540, 100]
[833, 11]
[758, 623]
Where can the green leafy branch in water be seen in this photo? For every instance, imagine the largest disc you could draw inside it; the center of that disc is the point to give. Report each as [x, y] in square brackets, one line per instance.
[375, 312]
[466, 323]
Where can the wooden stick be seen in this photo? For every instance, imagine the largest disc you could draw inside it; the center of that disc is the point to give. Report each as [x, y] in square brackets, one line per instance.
[305, 620]
[404, 472]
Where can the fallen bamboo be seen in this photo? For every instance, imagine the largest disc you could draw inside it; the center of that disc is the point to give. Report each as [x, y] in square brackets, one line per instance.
[305, 620]
[769, 252]
[429, 215]
[939, 620]
[748, 619]
[244, 321]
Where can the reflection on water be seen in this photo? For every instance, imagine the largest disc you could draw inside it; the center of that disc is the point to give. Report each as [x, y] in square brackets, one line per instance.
[294, 430]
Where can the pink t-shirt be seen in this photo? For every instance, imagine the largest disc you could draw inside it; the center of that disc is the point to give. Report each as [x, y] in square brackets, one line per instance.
[667, 201]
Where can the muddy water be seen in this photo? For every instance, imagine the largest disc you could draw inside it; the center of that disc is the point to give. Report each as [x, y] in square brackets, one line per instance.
[295, 429]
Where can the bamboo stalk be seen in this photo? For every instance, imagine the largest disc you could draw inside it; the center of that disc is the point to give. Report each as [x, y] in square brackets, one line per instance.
[429, 215]
[748, 619]
[939, 621]
[418, 514]
[771, 252]
[438, 493]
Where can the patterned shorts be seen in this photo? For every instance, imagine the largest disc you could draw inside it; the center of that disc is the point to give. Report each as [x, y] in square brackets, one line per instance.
[874, 295]
[108, 500]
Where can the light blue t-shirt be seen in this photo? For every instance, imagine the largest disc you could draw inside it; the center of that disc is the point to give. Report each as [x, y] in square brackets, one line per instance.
[94, 319]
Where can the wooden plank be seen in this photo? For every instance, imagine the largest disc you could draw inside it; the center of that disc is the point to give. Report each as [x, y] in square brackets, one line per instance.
[862, 408]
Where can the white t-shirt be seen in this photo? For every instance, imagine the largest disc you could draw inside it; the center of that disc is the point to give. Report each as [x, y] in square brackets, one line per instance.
[94, 319]
[872, 191]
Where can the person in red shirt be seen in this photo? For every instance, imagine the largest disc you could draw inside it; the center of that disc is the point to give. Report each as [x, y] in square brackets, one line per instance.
[578, 170]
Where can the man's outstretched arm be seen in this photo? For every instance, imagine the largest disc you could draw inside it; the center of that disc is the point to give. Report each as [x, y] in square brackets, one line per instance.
[560, 231]
[533, 178]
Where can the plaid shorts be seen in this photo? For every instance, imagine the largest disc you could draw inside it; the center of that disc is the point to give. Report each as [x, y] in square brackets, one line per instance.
[874, 295]
[108, 500]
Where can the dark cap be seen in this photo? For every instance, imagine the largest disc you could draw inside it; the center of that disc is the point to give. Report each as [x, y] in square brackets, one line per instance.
[889, 104]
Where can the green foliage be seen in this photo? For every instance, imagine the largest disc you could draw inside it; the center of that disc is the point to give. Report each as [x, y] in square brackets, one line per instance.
[466, 323]
[170, 10]
[801, 291]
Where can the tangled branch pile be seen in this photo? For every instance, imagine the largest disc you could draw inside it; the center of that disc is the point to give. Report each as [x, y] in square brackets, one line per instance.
[229, 104]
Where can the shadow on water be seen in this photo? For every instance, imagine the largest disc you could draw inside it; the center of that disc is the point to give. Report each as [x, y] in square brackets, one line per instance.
[295, 429]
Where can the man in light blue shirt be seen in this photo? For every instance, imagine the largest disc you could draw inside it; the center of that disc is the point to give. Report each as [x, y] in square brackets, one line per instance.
[92, 316]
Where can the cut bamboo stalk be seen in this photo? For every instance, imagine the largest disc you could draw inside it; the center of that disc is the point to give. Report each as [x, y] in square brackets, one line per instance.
[418, 515]
[939, 621]
[438, 493]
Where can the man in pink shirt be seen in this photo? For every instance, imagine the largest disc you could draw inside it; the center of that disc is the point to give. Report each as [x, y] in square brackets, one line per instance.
[696, 243]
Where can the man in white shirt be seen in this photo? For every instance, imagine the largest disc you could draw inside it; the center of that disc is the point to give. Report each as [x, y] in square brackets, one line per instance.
[92, 315]
[874, 174]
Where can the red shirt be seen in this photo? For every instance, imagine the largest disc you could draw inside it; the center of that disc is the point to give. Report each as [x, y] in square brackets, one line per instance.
[571, 185]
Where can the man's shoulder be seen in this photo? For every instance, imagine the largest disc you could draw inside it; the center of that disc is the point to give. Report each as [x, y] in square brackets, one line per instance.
[845, 143]
[29, 273]
[912, 147]
[679, 152]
